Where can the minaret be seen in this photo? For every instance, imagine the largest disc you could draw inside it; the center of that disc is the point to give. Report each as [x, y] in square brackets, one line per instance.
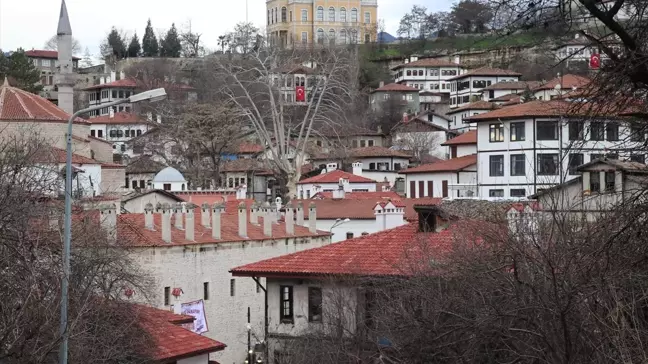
[64, 79]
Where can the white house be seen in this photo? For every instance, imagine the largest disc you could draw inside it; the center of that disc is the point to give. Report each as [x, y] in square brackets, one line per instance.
[422, 135]
[462, 145]
[468, 87]
[428, 74]
[456, 177]
[118, 128]
[458, 115]
[525, 148]
[379, 163]
[188, 253]
[580, 50]
[500, 89]
[560, 86]
[331, 179]
[169, 179]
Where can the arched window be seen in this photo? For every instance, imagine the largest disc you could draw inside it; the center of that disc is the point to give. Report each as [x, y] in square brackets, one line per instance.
[320, 13]
[343, 15]
[320, 36]
[354, 36]
[283, 14]
[331, 16]
[354, 15]
[332, 36]
[343, 36]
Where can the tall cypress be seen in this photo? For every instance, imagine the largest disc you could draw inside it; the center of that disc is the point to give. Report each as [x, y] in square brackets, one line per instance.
[117, 44]
[134, 48]
[150, 47]
[171, 46]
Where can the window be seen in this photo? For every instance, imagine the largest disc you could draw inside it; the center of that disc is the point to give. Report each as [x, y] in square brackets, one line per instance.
[167, 296]
[205, 291]
[304, 15]
[612, 132]
[331, 16]
[609, 181]
[575, 160]
[315, 304]
[595, 182]
[518, 163]
[547, 130]
[397, 166]
[547, 164]
[92, 133]
[517, 132]
[496, 165]
[286, 304]
[46, 63]
[134, 184]
[496, 133]
[331, 36]
[114, 94]
[166, 187]
[518, 192]
[637, 133]
[597, 131]
[367, 17]
[372, 166]
[283, 14]
[496, 193]
[142, 184]
[343, 15]
[304, 37]
[269, 17]
[291, 17]
[232, 287]
[320, 14]
[349, 235]
[370, 142]
[121, 94]
[139, 132]
[639, 158]
[576, 129]
[320, 36]
[343, 36]
[354, 15]
[354, 36]
[367, 38]
[363, 143]
[100, 133]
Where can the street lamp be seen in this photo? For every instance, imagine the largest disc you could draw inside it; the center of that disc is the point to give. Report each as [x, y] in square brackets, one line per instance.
[152, 96]
[338, 222]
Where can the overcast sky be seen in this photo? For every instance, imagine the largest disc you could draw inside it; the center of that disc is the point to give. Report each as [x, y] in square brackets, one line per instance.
[29, 23]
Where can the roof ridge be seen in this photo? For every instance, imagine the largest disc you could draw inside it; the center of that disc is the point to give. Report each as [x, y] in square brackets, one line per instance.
[21, 102]
[30, 96]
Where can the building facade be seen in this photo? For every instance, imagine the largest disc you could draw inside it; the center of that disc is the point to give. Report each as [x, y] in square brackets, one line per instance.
[307, 22]
[428, 74]
[468, 87]
[118, 128]
[47, 63]
[395, 98]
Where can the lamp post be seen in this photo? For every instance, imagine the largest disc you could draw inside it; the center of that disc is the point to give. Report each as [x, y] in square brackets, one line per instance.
[152, 96]
[337, 223]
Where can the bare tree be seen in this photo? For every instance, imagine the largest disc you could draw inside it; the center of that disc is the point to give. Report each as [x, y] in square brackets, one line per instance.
[191, 44]
[52, 44]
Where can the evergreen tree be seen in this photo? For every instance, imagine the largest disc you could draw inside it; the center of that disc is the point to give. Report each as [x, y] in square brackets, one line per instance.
[134, 47]
[150, 47]
[116, 42]
[171, 46]
[21, 71]
[527, 95]
[87, 58]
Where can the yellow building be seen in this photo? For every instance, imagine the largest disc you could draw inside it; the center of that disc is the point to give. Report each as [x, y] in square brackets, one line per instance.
[301, 22]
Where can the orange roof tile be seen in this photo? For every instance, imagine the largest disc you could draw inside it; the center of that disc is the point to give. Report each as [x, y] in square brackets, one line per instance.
[17, 104]
[538, 108]
[57, 155]
[362, 209]
[334, 177]
[486, 71]
[361, 195]
[477, 105]
[450, 165]
[124, 83]
[249, 148]
[38, 53]
[210, 197]
[512, 85]
[396, 87]
[428, 62]
[567, 81]
[118, 118]
[469, 137]
[386, 253]
[507, 97]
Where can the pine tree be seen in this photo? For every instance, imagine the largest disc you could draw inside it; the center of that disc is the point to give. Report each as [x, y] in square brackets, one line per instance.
[87, 58]
[150, 47]
[134, 47]
[527, 95]
[116, 42]
[21, 71]
[171, 46]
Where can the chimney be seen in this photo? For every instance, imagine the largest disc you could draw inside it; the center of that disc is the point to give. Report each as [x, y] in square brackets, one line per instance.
[109, 221]
[204, 215]
[149, 116]
[166, 222]
[278, 206]
[312, 218]
[254, 213]
[381, 84]
[111, 112]
[300, 214]
[379, 211]
[113, 76]
[189, 223]
[217, 211]
[148, 216]
[394, 214]
[267, 219]
[457, 60]
[339, 194]
[241, 192]
[242, 220]
[159, 119]
[330, 167]
[122, 75]
[290, 219]
[177, 215]
[357, 168]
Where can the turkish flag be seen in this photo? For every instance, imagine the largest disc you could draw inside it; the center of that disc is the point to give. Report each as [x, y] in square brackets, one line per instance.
[595, 61]
[300, 93]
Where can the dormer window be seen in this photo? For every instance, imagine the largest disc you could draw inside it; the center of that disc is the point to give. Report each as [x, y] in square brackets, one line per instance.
[427, 218]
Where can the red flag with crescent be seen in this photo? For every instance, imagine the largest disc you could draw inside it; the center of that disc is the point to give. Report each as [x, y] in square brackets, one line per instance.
[300, 93]
[595, 61]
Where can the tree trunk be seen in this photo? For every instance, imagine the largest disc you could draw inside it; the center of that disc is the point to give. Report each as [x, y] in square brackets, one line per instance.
[291, 185]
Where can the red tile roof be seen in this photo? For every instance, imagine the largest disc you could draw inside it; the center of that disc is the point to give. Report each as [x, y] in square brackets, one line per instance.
[395, 87]
[362, 209]
[210, 197]
[386, 253]
[249, 148]
[486, 71]
[131, 228]
[428, 62]
[450, 165]
[477, 105]
[57, 155]
[124, 83]
[512, 85]
[469, 137]
[361, 195]
[567, 81]
[16, 104]
[507, 97]
[37, 53]
[538, 108]
[369, 152]
[173, 342]
[334, 177]
[118, 118]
